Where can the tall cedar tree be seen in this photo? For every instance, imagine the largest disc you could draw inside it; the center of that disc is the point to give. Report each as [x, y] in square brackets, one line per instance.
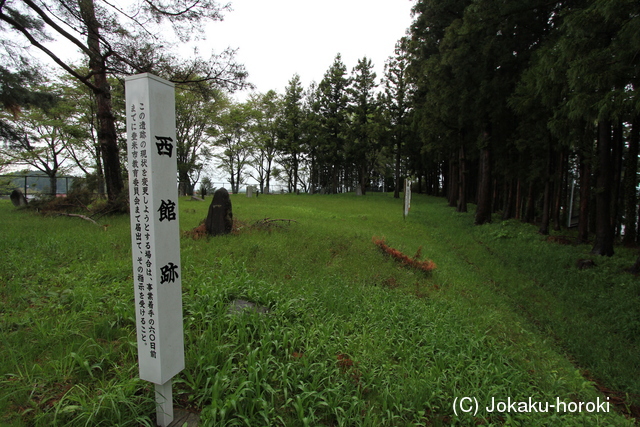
[602, 69]
[332, 101]
[362, 146]
[290, 131]
[397, 87]
[437, 118]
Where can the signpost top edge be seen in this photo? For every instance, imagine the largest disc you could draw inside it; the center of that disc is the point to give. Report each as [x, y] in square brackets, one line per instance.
[151, 76]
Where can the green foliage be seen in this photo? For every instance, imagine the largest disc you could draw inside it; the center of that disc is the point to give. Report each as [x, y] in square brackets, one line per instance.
[350, 337]
[290, 131]
[235, 124]
[198, 110]
[265, 136]
[364, 145]
[331, 101]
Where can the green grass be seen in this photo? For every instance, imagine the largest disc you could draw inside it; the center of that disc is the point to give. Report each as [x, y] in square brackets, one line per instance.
[351, 338]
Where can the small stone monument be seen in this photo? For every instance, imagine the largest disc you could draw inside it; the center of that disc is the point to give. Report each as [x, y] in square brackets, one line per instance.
[250, 190]
[240, 306]
[220, 217]
[17, 198]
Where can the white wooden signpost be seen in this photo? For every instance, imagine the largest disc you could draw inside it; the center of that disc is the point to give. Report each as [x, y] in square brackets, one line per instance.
[407, 198]
[155, 237]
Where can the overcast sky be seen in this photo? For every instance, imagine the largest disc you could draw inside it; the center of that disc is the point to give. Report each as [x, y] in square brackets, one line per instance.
[278, 38]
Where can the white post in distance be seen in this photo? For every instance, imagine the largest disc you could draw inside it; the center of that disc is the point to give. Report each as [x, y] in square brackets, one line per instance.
[573, 187]
[407, 198]
[155, 234]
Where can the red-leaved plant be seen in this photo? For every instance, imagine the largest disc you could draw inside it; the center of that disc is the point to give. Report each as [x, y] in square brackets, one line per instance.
[425, 265]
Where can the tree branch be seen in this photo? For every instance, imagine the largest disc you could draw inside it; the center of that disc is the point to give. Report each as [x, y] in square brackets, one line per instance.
[133, 18]
[36, 43]
[86, 218]
[56, 27]
[164, 12]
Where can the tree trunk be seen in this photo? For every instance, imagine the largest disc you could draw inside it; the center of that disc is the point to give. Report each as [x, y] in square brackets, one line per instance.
[53, 184]
[495, 196]
[530, 211]
[313, 178]
[616, 177]
[630, 185]
[483, 210]
[585, 194]
[518, 215]
[99, 172]
[362, 180]
[604, 230]
[546, 207]
[546, 202]
[107, 137]
[295, 172]
[559, 187]
[445, 170]
[454, 188]
[334, 179]
[509, 207]
[238, 177]
[185, 188]
[462, 181]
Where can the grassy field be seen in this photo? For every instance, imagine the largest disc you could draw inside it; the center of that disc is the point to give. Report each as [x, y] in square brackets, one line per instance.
[352, 337]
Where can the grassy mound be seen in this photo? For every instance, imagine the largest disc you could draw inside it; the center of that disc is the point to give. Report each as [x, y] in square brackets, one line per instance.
[351, 337]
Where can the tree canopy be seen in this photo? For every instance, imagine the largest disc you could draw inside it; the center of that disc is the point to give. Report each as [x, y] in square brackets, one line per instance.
[117, 41]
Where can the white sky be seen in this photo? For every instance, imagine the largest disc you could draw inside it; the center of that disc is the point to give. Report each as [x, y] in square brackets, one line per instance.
[279, 38]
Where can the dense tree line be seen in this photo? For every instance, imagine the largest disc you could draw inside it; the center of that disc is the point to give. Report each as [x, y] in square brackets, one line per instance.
[519, 100]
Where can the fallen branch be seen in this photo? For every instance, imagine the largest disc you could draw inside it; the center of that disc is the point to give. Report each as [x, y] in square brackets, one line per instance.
[268, 222]
[86, 218]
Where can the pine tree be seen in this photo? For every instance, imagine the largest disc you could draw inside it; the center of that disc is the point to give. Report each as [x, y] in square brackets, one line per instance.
[332, 101]
[290, 131]
[363, 146]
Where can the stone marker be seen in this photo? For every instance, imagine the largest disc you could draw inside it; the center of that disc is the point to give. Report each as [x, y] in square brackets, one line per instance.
[249, 190]
[196, 199]
[17, 198]
[220, 217]
[358, 190]
[240, 306]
